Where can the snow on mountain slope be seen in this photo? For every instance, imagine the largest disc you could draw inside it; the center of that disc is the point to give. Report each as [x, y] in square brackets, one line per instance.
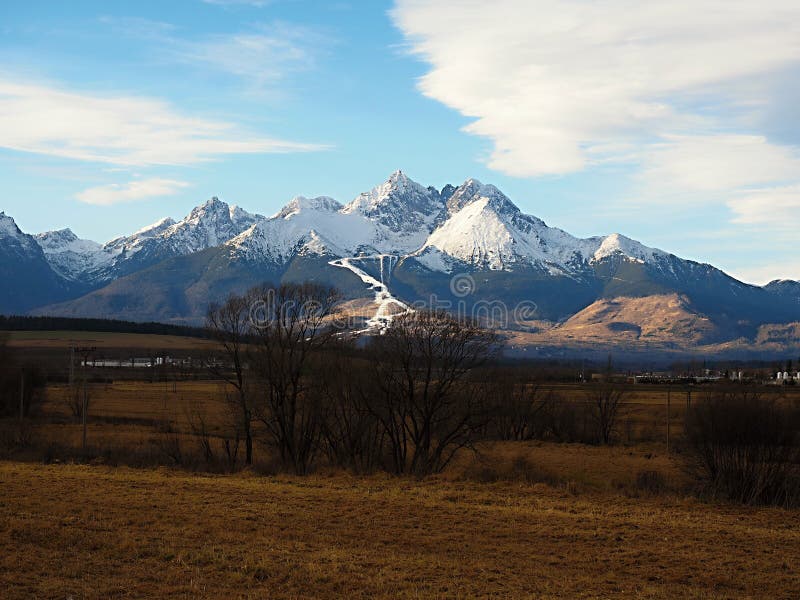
[133, 241]
[14, 240]
[208, 225]
[402, 211]
[486, 230]
[316, 225]
[392, 218]
[29, 280]
[472, 224]
[616, 244]
[70, 256]
[387, 306]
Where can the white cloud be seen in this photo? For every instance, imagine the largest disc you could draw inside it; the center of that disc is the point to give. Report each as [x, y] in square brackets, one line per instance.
[558, 84]
[778, 207]
[262, 55]
[718, 163]
[118, 193]
[265, 55]
[121, 130]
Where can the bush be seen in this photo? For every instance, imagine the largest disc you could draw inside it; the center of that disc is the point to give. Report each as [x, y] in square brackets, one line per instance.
[746, 447]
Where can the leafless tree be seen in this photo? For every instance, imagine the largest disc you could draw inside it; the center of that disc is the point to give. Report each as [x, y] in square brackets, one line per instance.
[290, 327]
[424, 403]
[746, 445]
[353, 437]
[230, 326]
[605, 401]
[521, 407]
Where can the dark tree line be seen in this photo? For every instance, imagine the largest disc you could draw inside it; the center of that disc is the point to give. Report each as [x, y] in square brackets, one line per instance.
[25, 323]
[18, 383]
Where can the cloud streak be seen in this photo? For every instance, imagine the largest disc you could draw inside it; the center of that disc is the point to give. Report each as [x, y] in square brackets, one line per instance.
[121, 130]
[138, 190]
[557, 84]
[262, 56]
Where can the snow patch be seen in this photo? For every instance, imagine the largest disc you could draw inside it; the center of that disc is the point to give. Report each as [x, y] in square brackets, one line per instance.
[388, 307]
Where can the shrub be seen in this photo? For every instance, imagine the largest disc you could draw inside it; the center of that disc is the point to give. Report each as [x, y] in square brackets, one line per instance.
[746, 447]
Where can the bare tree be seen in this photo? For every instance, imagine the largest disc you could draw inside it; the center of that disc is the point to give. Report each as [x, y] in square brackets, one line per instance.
[290, 327]
[353, 437]
[747, 446]
[605, 401]
[230, 325]
[521, 407]
[425, 403]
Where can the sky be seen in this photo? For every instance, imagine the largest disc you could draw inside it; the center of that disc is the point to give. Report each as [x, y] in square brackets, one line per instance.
[676, 123]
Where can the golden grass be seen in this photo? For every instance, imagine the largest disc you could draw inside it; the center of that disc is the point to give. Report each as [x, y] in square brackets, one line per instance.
[486, 528]
[94, 532]
[127, 341]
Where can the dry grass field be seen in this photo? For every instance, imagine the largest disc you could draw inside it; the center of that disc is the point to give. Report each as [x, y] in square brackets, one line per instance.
[512, 520]
[95, 532]
[32, 340]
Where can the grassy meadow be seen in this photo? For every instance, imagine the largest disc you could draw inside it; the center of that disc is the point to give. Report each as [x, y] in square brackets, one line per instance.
[69, 531]
[139, 514]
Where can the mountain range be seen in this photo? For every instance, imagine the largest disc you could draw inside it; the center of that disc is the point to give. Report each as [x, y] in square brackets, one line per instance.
[403, 243]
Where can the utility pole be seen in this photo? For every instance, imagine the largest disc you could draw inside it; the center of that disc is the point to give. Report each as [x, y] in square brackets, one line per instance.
[85, 353]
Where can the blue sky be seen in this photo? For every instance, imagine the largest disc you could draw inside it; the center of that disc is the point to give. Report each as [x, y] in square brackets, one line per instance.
[673, 123]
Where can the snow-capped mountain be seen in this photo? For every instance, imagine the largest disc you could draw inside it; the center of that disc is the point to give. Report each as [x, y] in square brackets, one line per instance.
[401, 212]
[208, 225]
[485, 229]
[398, 244]
[70, 256]
[472, 225]
[14, 241]
[28, 280]
[393, 218]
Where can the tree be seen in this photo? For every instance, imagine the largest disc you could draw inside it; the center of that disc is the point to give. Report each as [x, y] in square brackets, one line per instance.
[230, 326]
[747, 446]
[605, 400]
[18, 382]
[353, 437]
[424, 400]
[290, 328]
[521, 407]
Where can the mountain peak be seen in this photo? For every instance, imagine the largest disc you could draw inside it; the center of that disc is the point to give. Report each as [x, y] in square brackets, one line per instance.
[211, 206]
[619, 245]
[8, 225]
[301, 203]
[400, 205]
[398, 175]
[64, 235]
[473, 190]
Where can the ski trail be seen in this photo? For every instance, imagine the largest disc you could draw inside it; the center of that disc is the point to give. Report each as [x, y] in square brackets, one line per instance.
[383, 297]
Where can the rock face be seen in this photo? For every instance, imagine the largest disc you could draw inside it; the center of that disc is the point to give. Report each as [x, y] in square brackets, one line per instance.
[405, 241]
[28, 279]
